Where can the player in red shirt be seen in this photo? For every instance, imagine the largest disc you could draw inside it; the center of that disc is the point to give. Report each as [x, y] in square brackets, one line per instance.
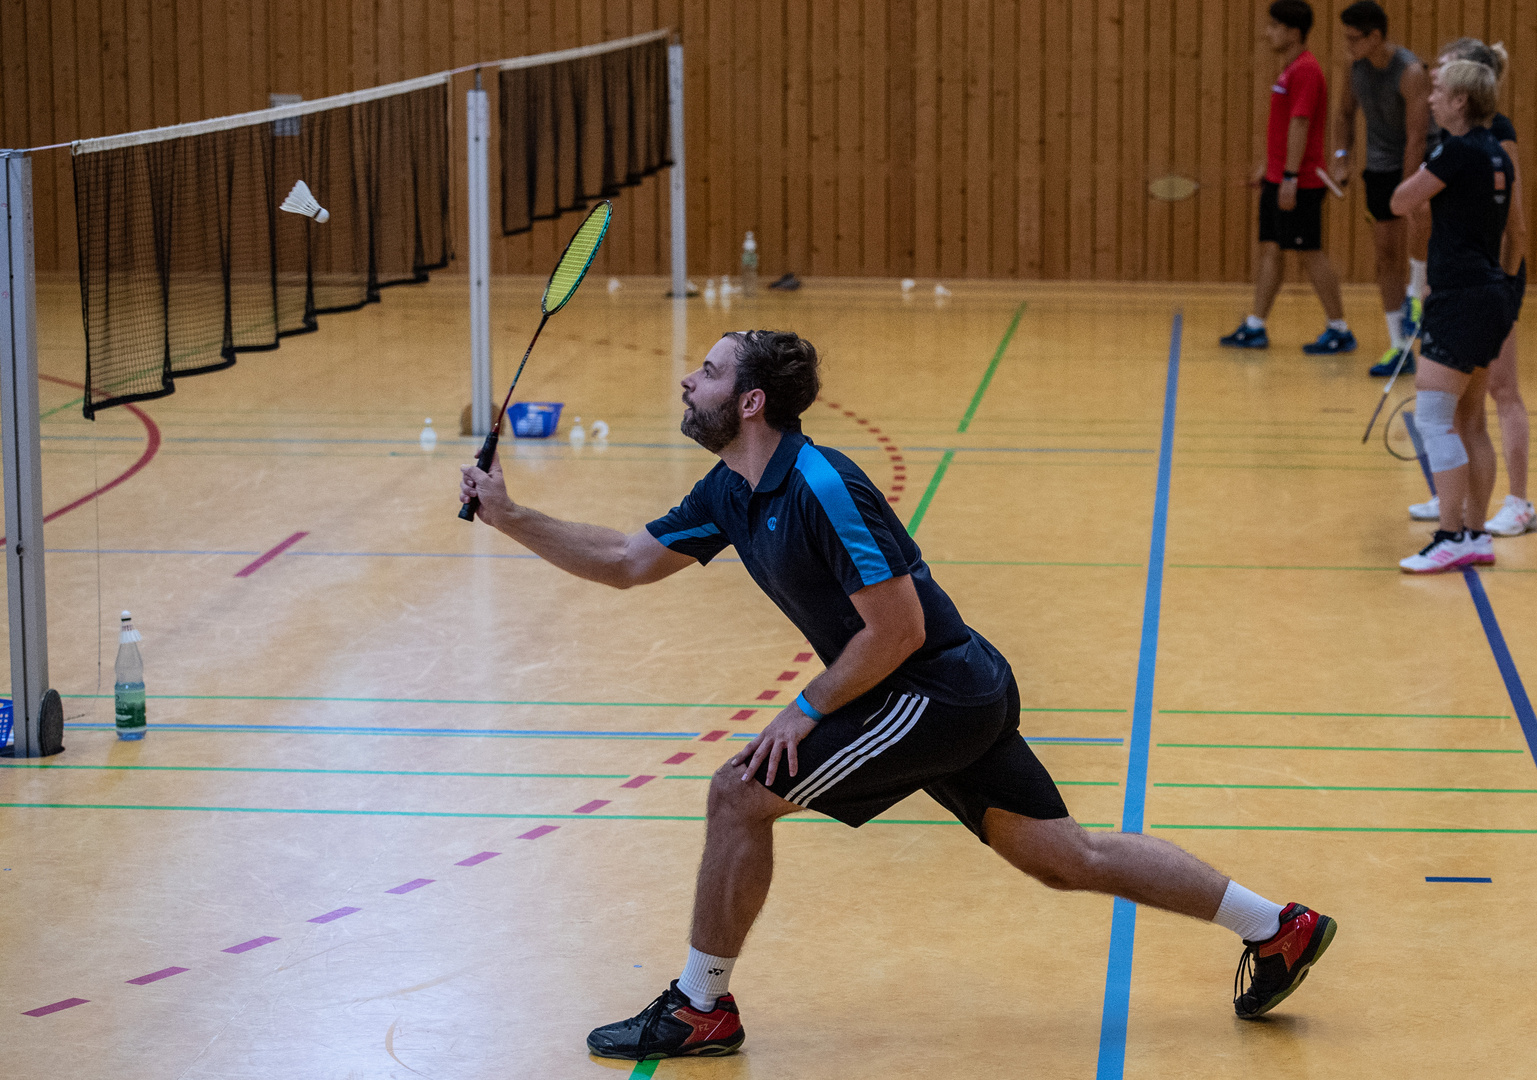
[1291, 189]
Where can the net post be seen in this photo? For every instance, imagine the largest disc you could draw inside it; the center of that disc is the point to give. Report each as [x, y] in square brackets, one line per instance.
[479, 134]
[679, 195]
[22, 458]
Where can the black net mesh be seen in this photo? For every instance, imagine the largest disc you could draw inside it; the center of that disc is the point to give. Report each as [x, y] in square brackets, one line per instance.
[186, 260]
[577, 130]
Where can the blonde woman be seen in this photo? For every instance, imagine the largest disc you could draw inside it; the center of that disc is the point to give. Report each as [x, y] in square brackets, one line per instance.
[1468, 181]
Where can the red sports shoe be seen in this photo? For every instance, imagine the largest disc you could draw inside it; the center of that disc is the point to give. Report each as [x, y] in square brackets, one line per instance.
[1278, 965]
[671, 1027]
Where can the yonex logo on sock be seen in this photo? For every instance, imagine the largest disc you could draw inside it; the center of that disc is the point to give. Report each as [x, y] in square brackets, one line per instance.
[717, 971]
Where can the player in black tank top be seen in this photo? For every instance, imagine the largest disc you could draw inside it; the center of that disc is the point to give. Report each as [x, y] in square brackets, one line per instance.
[1468, 181]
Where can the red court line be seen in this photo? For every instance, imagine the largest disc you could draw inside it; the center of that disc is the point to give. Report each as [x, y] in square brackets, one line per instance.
[788, 676]
[743, 714]
[264, 559]
[542, 830]
[339, 913]
[254, 943]
[679, 759]
[637, 781]
[713, 736]
[410, 886]
[803, 658]
[476, 860]
[592, 807]
[57, 1006]
[156, 976]
[151, 448]
[768, 695]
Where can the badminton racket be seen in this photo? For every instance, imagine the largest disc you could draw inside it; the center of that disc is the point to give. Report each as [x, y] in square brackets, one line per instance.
[1403, 355]
[568, 274]
[1323, 174]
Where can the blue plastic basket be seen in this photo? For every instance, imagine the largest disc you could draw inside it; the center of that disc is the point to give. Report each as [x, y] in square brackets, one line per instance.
[534, 419]
[5, 721]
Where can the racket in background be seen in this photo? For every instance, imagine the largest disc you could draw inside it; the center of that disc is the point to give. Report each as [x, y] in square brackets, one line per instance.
[568, 274]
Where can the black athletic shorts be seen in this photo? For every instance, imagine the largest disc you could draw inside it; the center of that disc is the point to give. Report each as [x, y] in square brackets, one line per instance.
[878, 749]
[1464, 328]
[1516, 283]
[1300, 229]
[1379, 192]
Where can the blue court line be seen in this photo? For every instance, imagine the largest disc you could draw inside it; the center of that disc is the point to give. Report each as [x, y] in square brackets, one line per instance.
[1123, 922]
[1469, 880]
[1502, 658]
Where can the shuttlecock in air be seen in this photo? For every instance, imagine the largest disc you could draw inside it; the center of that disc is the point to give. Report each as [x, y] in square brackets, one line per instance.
[302, 201]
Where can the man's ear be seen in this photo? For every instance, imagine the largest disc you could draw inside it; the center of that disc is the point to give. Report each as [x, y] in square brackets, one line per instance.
[752, 403]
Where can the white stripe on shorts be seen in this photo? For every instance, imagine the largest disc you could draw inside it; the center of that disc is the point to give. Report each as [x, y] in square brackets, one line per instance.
[891, 729]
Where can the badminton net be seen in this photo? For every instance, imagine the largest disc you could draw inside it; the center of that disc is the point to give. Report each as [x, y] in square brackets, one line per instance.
[186, 260]
[581, 124]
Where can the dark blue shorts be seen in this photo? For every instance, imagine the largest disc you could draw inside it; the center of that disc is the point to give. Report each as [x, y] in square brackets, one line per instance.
[878, 749]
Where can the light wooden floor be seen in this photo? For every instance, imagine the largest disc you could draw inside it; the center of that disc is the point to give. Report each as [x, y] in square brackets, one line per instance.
[400, 692]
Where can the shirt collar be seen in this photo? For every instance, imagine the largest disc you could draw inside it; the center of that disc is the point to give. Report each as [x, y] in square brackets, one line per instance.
[779, 465]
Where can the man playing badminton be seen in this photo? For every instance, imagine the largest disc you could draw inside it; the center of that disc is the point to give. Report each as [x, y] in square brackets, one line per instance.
[912, 697]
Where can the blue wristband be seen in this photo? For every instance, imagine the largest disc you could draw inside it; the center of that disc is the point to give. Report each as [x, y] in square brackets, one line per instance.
[806, 707]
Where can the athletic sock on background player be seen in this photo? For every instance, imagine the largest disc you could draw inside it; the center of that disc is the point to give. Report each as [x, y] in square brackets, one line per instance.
[1418, 282]
[1395, 321]
[1339, 326]
[1254, 322]
[1248, 914]
[706, 977]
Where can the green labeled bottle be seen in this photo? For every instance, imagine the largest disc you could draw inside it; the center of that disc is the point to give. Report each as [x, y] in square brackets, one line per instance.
[129, 680]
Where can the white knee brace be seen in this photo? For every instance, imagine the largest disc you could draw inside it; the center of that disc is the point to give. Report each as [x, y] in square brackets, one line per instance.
[1433, 414]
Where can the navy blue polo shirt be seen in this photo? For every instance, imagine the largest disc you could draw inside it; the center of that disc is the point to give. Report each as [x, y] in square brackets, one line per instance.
[815, 532]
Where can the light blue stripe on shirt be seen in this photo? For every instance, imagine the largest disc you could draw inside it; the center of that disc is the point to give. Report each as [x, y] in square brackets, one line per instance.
[828, 486]
[707, 529]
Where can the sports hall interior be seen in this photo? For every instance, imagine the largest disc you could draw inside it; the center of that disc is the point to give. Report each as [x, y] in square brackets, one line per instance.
[496, 772]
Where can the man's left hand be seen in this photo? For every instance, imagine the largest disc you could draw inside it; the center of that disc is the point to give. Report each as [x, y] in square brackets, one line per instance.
[776, 741]
[1286, 198]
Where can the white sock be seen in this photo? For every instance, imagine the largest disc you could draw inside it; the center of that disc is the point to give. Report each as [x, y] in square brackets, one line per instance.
[1418, 284]
[1254, 322]
[1395, 322]
[1339, 324]
[1248, 914]
[706, 977]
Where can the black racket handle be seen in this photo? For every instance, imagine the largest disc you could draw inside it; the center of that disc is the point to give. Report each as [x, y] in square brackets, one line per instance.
[483, 463]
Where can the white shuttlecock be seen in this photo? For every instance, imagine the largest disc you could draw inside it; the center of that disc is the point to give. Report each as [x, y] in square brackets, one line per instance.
[599, 431]
[940, 290]
[908, 284]
[302, 201]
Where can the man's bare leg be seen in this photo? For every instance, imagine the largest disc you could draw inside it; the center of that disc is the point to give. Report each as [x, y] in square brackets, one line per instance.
[738, 862]
[1267, 279]
[1325, 283]
[1515, 428]
[1390, 239]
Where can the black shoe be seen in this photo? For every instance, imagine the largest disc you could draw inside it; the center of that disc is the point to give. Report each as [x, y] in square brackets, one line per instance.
[1278, 965]
[788, 282]
[1246, 337]
[671, 1027]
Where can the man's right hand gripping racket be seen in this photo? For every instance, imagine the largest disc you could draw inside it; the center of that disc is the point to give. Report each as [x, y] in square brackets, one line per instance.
[569, 272]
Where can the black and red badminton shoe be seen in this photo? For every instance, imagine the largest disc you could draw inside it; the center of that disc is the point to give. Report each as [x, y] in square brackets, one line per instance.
[671, 1027]
[1277, 965]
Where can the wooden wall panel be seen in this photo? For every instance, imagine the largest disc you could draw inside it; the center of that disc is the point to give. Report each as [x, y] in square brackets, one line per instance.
[925, 138]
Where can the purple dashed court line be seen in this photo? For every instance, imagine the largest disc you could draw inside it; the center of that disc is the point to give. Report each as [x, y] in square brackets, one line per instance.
[476, 860]
[57, 1006]
[588, 808]
[637, 781]
[247, 946]
[411, 886]
[542, 830]
[156, 976]
[339, 913]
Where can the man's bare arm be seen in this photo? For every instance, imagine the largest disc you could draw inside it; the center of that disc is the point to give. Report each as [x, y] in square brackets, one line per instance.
[1344, 131]
[594, 552]
[1414, 85]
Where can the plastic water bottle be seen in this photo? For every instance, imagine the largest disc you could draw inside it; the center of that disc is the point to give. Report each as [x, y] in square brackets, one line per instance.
[709, 291]
[429, 436]
[129, 683]
[578, 434]
[749, 265]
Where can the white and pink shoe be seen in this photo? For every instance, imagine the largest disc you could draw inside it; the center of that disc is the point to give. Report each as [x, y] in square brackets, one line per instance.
[1446, 551]
[1483, 549]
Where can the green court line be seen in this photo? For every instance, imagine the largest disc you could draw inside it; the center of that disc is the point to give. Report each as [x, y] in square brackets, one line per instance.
[1376, 715]
[1389, 749]
[1352, 787]
[795, 818]
[448, 701]
[928, 493]
[1341, 829]
[1239, 566]
[1004, 562]
[987, 378]
[644, 1069]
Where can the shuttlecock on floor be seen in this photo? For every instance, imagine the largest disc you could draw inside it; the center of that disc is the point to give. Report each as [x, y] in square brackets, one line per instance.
[599, 431]
[578, 434]
[429, 436]
[908, 284]
[301, 201]
[709, 291]
[613, 284]
[940, 290]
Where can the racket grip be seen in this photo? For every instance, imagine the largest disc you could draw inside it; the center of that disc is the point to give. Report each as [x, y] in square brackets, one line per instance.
[483, 462]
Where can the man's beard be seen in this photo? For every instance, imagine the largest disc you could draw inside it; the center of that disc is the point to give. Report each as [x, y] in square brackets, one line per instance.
[713, 430]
